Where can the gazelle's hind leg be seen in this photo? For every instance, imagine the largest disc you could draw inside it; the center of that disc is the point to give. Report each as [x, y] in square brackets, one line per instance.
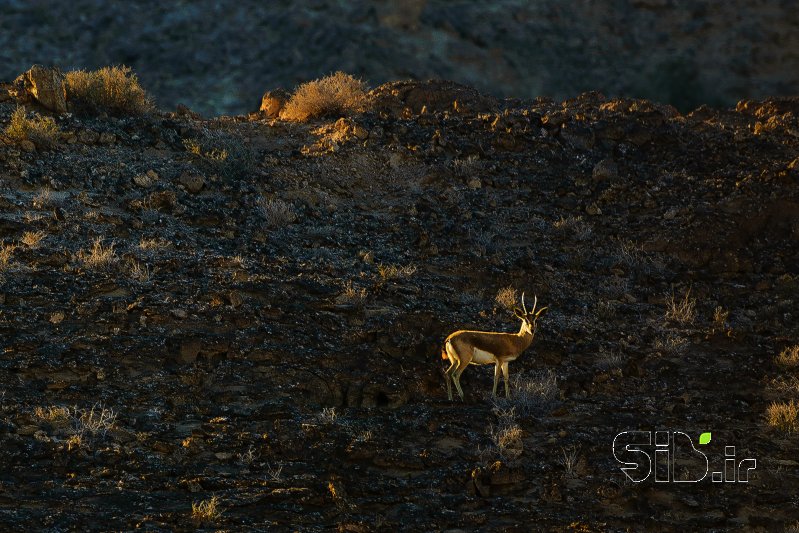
[456, 377]
[449, 374]
[505, 375]
[496, 377]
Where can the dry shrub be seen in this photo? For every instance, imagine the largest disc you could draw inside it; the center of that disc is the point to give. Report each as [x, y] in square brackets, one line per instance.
[783, 416]
[388, 272]
[31, 239]
[506, 298]
[6, 251]
[41, 131]
[507, 434]
[789, 357]
[206, 510]
[335, 95]
[276, 213]
[681, 310]
[218, 152]
[115, 90]
[99, 256]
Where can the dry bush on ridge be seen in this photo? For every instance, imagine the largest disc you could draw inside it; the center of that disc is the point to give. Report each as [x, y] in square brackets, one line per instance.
[338, 94]
[41, 131]
[115, 90]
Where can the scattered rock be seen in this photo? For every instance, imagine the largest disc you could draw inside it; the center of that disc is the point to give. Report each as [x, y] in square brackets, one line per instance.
[194, 183]
[593, 210]
[605, 170]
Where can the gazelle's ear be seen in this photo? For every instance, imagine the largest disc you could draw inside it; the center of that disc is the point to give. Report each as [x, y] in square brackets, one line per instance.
[518, 313]
[541, 311]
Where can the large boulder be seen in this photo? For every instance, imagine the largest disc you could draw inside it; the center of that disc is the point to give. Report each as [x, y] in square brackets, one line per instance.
[46, 86]
[273, 101]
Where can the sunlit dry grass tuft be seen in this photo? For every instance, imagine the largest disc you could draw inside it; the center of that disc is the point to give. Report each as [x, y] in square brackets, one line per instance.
[783, 416]
[206, 510]
[789, 357]
[99, 256]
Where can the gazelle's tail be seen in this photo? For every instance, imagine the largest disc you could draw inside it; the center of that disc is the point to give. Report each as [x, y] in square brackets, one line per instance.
[444, 351]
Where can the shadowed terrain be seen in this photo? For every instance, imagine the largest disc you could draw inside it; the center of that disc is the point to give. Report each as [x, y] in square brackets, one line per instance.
[252, 309]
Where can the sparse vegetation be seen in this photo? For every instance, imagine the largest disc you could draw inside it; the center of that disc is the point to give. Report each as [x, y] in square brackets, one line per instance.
[610, 361]
[93, 422]
[507, 298]
[533, 394]
[789, 357]
[670, 344]
[99, 256]
[6, 251]
[681, 310]
[328, 415]
[31, 239]
[352, 295]
[53, 413]
[206, 510]
[570, 458]
[783, 416]
[276, 213]
[138, 271]
[576, 226]
[41, 131]
[335, 95]
[274, 472]
[114, 90]
[43, 199]
[388, 272]
[152, 244]
[219, 153]
[507, 434]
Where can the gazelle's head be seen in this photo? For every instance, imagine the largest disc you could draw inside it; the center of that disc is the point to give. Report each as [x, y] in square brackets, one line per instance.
[528, 318]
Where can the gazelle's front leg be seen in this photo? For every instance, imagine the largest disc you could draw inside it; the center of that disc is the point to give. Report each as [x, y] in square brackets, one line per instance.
[496, 377]
[505, 375]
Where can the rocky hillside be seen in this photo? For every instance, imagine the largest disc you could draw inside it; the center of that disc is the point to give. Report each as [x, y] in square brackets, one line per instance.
[219, 57]
[245, 315]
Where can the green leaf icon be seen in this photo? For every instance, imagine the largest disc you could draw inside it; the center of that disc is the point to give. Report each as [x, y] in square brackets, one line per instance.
[704, 438]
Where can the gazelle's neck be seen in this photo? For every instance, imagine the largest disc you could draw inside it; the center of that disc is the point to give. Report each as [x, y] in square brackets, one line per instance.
[526, 335]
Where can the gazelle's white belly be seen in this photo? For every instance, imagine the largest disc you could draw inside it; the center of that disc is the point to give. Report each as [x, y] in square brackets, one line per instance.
[482, 357]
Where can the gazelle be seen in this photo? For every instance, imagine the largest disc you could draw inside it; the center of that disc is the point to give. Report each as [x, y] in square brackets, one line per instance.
[464, 347]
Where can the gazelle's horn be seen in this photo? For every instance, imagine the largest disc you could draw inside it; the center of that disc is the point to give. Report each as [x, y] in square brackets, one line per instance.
[523, 307]
[535, 304]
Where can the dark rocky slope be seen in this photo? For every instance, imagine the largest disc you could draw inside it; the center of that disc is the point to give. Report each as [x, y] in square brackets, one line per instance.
[254, 342]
